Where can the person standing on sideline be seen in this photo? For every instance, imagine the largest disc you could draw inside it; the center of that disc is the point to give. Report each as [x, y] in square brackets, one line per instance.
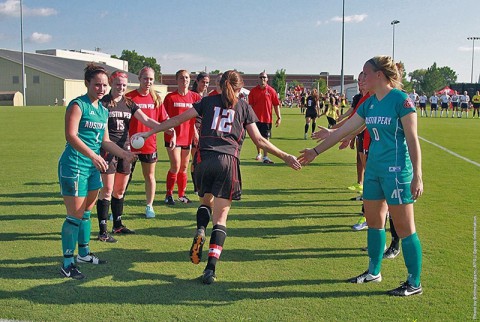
[422, 103]
[80, 165]
[464, 102]
[225, 118]
[263, 98]
[455, 102]
[393, 175]
[312, 111]
[414, 97]
[433, 104]
[176, 103]
[476, 104]
[151, 105]
[445, 102]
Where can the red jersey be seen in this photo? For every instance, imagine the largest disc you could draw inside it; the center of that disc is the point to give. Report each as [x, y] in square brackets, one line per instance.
[176, 104]
[213, 93]
[262, 100]
[147, 105]
[366, 135]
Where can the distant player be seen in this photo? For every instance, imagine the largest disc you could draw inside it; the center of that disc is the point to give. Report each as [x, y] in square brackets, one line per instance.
[312, 111]
[445, 101]
[422, 103]
[464, 102]
[433, 104]
[476, 104]
[455, 99]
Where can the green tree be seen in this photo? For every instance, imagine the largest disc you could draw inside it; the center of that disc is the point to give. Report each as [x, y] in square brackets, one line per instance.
[407, 86]
[432, 79]
[448, 74]
[136, 62]
[215, 72]
[417, 77]
[279, 82]
[321, 85]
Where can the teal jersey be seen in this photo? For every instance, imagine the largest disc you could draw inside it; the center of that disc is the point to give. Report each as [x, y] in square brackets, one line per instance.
[388, 152]
[90, 130]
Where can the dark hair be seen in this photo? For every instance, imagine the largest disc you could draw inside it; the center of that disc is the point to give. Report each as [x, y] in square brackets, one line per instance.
[230, 83]
[200, 76]
[92, 70]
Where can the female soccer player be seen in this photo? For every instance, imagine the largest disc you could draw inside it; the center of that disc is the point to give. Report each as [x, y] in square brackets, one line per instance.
[393, 175]
[224, 121]
[115, 179]
[312, 111]
[80, 165]
[151, 105]
[176, 103]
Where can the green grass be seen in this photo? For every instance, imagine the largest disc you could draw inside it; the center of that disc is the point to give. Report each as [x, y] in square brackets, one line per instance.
[289, 247]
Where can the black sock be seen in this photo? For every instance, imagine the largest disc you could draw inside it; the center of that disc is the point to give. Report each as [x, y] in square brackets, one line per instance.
[117, 211]
[195, 189]
[102, 214]
[306, 128]
[203, 216]
[314, 125]
[393, 232]
[217, 239]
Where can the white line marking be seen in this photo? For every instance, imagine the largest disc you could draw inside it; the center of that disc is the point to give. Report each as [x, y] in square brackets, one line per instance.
[451, 152]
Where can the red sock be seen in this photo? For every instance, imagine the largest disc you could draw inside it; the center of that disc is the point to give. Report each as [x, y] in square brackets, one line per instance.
[171, 179]
[182, 183]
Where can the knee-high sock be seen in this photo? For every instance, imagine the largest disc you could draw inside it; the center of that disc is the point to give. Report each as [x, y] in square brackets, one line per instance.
[182, 183]
[412, 254]
[171, 179]
[117, 211]
[70, 229]
[217, 239]
[393, 232]
[376, 245]
[84, 235]
[102, 214]
[306, 128]
[314, 125]
[203, 216]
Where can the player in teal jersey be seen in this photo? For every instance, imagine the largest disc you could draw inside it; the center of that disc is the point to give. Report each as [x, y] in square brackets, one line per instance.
[80, 165]
[393, 174]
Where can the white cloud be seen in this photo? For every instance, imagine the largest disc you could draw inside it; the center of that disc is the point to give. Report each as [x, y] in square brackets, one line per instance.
[352, 18]
[39, 38]
[12, 8]
[103, 14]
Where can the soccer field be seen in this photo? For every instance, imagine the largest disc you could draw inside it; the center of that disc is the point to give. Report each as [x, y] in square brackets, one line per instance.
[289, 249]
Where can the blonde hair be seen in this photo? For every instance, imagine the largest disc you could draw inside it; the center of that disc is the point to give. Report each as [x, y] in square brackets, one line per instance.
[230, 83]
[156, 98]
[392, 71]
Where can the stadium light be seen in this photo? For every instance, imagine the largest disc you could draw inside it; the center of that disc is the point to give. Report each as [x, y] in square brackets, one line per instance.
[473, 54]
[343, 49]
[393, 23]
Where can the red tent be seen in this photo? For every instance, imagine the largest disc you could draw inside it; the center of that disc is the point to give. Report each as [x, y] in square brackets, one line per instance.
[446, 90]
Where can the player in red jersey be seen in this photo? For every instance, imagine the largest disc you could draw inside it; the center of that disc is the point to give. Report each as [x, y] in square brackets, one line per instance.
[263, 98]
[225, 118]
[177, 103]
[151, 104]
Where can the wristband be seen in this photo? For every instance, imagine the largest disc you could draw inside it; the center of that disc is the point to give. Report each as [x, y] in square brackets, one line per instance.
[314, 149]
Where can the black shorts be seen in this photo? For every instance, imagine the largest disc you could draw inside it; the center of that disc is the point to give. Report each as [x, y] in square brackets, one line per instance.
[454, 104]
[433, 106]
[218, 174]
[444, 106]
[265, 129]
[311, 113]
[148, 158]
[476, 105]
[463, 106]
[115, 164]
[422, 105]
[183, 147]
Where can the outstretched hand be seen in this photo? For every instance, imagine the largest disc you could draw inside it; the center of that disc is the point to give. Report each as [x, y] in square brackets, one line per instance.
[292, 162]
[321, 134]
[307, 156]
[144, 135]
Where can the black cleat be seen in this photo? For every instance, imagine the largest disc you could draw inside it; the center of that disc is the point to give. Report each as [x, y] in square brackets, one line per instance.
[122, 230]
[406, 289]
[197, 246]
[105, 237]
[366, 277]
[209, 276]
[72, 272]
[169, 200]
[391, 252]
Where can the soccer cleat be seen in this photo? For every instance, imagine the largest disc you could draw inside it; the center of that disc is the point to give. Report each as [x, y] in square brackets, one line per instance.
[267, 160]
[169, 200]
[122, 230]
[71, 272]
[406, 289]
[209, 276]
[358, 198]
[258, 157]
[356, 187]
[184, 199]
[391, 252]
[305, 136]
[105, 237]
[90, 258]
[149, 213]
[366, 277]
[197, 246]
[361, 224]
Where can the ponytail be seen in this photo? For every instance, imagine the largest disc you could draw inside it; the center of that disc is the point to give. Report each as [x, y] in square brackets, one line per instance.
[230, 84]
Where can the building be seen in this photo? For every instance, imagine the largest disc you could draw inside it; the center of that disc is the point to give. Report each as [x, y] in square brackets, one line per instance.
[50, 78]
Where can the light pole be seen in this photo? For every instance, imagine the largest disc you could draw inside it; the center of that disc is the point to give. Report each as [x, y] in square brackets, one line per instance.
[393, 23]
[473, 54]
[343, 44]
[24, 77]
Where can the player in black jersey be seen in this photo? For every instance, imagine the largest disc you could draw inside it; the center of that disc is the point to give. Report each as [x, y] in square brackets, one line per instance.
[225, 120]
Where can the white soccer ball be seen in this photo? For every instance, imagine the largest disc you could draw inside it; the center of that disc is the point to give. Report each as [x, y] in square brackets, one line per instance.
[137, 142]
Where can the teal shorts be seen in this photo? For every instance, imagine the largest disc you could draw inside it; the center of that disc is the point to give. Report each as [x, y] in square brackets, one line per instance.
[393, 187]
[78, 182]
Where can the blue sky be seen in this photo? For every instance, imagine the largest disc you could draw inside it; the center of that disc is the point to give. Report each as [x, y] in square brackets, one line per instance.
[302, 36]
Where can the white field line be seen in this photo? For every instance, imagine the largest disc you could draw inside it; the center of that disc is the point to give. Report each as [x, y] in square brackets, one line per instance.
[451, 152]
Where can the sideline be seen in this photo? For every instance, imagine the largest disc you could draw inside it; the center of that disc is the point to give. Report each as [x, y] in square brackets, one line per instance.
[451, 152]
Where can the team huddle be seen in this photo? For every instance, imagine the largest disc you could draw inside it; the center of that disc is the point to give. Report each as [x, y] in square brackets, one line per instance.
[97, 164]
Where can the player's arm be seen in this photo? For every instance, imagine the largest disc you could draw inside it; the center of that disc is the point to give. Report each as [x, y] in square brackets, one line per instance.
[114, 149]
[72, 121]
[276, 108]
[264, 144]
[170, 123]
[409, 123]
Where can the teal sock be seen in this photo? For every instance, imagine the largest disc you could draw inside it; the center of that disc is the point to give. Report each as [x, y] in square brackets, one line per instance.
[70, 229]
[412, 254]
[84, 235]
[376, 245]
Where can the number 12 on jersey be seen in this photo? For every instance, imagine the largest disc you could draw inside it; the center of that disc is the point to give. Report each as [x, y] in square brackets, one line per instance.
[222, 119]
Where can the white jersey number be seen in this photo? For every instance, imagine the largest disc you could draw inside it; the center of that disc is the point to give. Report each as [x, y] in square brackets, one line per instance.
[375, 133]
[222, 119]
